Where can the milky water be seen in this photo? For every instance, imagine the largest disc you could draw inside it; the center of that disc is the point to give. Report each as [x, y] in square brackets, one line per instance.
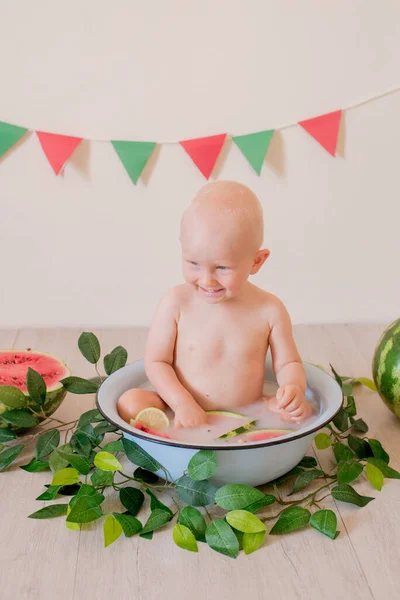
[219, 425]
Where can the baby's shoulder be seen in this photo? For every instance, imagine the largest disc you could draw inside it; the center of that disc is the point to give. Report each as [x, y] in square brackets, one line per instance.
[273, 307]
[176, 297]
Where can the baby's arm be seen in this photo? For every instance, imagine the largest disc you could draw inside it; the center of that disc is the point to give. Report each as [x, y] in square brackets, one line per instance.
[158, 362]
[287, 365]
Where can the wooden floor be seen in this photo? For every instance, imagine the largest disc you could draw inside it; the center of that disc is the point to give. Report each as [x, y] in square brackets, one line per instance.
[43, 559]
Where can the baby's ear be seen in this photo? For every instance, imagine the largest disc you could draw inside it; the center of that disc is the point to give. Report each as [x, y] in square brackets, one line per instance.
[259, 260]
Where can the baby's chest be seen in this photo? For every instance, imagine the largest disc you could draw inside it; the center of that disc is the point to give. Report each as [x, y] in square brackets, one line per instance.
[213, 340]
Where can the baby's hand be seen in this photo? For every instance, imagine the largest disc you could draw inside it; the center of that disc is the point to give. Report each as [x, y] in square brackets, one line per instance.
[290, 399]
[190, 414]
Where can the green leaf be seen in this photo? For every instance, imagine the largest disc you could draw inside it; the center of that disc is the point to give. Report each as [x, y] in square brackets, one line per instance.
[89, 346]
[290, 519]
[325, 521]
[145, 476]
[261, 503]
[348, 471]
[80, 463]
[359, 425]
[136, 455]
[156, 503]
[88, 490]
[146, 536]
[158, 518]
[375, 476]
[367, 382]
[342, 452]
[305, 479]
[78, 385]
[336, 376]
[237, 495]
[184, 538]
[112, 529]
[359, 446]
[107, 462]
[378, 451]
[341, 421]
[85, 510]
[132, 499]
[50, 493]
[195, 493]
[345, 493]
[193, 519]
[46, 443]
[36, 386]
[129, 524]
[2, 446]
[48, 512]
[81, 443]
[245, 521]
[35, 465]
[65, 477]
[350, 407]
[114, 447]
[115, 360]
[322, 441]
[90, 416]
[6, 435]
[221, 538]
[9, 455]
[102, 478]
[12, 397]
[388, 472]
[308, 462]
[20, 418]
[69, 490]
[347, 389]
[202, 465]
[295, 471]
[56, 462]
[104, 427]
[72, 526]
[252, 541]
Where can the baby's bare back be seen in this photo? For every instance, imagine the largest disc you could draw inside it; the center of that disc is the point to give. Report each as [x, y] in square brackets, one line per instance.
[220, 350]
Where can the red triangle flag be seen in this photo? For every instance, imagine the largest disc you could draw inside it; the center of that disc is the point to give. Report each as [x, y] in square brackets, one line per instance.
[57, 148]
[204, 151]
[324, 129]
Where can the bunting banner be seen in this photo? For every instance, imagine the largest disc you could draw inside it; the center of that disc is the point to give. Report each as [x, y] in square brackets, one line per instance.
[57, 148]
[203, 151]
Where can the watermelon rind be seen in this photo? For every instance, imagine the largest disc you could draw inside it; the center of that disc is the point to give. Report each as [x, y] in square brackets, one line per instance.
[54, 397]
[386, 367]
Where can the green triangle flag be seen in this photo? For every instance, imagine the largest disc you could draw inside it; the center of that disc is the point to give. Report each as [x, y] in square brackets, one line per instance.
[254, 147]
[134, 156]
[9, 135]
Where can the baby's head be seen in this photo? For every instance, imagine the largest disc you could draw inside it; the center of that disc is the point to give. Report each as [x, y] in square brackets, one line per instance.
[221, 235]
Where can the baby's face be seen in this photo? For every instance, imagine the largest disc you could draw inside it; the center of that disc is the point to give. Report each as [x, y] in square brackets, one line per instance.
[216, 259]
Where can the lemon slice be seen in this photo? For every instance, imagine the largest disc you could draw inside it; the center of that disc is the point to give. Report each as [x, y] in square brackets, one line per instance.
[154, 418]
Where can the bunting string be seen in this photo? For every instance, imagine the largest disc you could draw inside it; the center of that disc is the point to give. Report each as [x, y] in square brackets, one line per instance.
[204, 151]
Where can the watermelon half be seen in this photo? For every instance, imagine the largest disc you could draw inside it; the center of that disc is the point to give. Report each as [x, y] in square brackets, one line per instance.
[13, 369]
[386, 367]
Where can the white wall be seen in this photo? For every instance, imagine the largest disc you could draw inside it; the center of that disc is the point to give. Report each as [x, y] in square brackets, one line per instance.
[90, 248]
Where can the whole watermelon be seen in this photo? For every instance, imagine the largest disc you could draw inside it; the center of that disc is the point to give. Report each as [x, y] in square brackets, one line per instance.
[14, 365]
[386, 367]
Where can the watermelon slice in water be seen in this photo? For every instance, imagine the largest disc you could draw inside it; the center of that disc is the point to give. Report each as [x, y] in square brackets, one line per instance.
[258, 435]
[13, 369]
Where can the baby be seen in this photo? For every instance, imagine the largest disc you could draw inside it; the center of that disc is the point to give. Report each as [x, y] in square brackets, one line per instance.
[209, 337]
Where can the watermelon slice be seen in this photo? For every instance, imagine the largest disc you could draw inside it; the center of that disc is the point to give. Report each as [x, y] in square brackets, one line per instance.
[242, 429]
[258, 435]
[225, 413]
[13, 369]
[141, 427]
